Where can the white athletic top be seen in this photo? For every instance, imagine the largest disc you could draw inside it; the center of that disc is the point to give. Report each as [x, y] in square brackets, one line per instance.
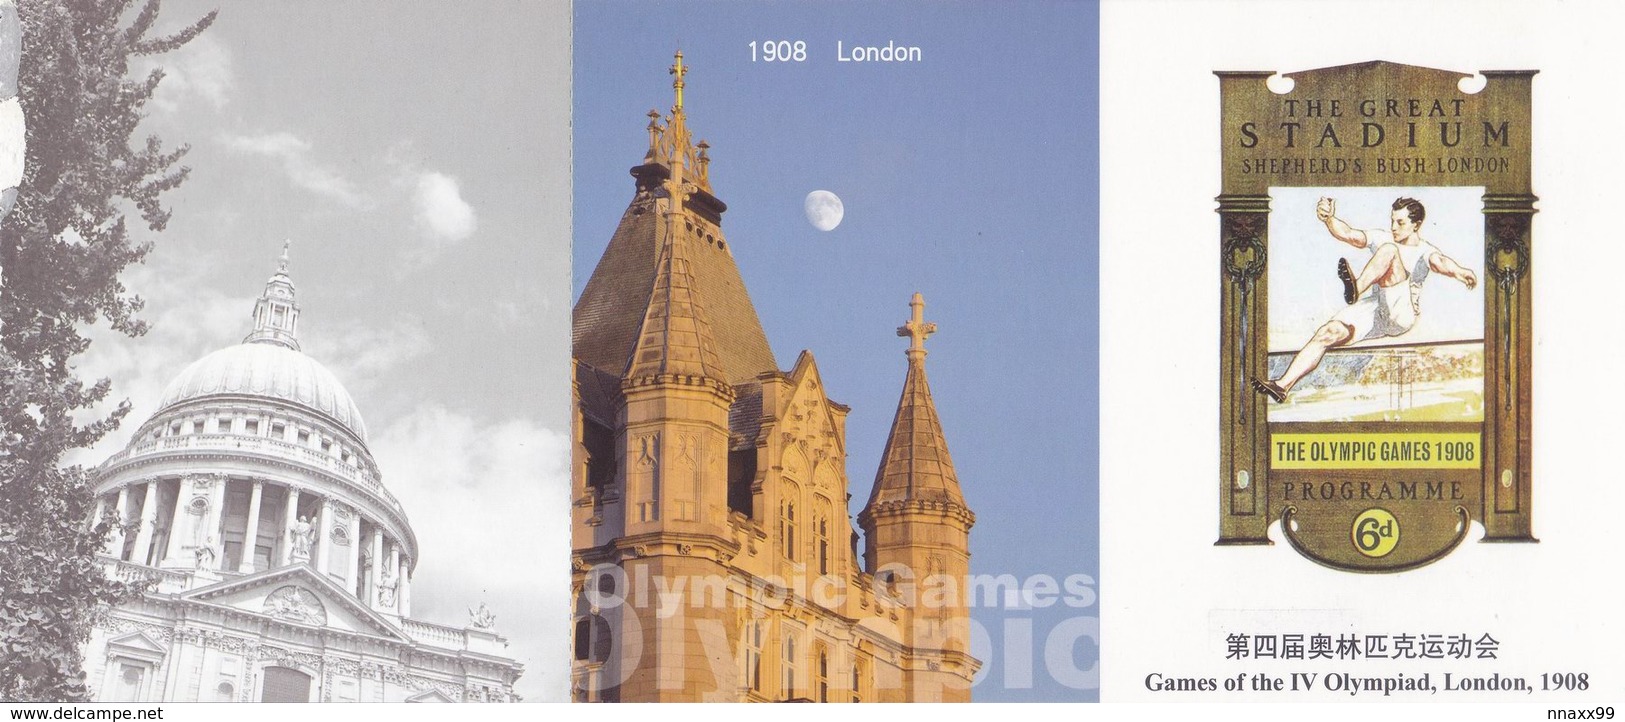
[1390, 311]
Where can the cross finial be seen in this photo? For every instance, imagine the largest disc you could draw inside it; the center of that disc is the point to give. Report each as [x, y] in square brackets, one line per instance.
[677, 71]
[916, 329]
[282, 263]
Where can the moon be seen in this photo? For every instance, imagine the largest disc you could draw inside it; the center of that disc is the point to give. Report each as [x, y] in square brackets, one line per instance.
[824, 210]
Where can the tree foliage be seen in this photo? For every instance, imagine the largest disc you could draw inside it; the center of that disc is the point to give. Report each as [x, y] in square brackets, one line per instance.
[62, 249]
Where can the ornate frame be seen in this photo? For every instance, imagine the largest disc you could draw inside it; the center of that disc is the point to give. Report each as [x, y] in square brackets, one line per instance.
[1492, 123]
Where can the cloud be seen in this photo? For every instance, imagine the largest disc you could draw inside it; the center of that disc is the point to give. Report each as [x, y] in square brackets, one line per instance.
[367, 352]
[440, 209]
[300, 165]
[187, 320]
[201, 70]
[488, 501]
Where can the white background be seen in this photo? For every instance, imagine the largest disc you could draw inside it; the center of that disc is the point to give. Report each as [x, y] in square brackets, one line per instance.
[1168, 595]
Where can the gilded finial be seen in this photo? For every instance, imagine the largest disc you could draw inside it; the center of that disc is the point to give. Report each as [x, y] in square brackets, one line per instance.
[282, 263]
[677, 71]
[917, 329]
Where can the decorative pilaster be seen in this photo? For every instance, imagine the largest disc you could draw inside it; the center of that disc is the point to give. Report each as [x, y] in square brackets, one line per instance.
[1508, 367]
[1244, 505]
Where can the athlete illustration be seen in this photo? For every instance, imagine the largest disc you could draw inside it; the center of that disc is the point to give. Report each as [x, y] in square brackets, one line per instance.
[1384, 299]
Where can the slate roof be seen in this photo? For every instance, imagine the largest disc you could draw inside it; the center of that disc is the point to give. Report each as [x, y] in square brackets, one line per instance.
[610, 316]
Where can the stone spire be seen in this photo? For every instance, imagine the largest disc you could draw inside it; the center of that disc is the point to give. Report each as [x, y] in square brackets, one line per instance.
[915, 466]
[276, 314]
[675, 338]
[641, 312]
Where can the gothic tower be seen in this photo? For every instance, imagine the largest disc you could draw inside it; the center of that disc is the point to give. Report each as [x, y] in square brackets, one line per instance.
[714, 559]
[917, 524]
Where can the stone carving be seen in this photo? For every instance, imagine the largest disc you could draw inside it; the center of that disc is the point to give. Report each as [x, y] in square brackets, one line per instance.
[211, 638]
[296, 604]
[301, 536]
[481, 617]
[386, 590]
[205, 557]
[204, 482]
[120, 626]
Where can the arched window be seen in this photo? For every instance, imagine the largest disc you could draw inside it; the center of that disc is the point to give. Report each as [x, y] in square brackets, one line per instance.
[602, 639]
[821, 548]
[593, 639]
[821, 675]
[753, 656]
[788, 684]
[787, 520]
[583, 639]
[857, 679]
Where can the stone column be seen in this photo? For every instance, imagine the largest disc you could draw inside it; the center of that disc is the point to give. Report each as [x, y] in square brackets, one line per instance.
[251, 534]
[395, 570]
[352, 572]
[177, 526]
[290, 517]
[101, 509]
[324, 540]
[405, 582]
[217, 513]
[115, 540]
[149, 519]
[377, 567]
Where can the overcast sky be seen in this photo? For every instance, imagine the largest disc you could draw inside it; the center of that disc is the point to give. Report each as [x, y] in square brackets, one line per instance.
[969, 176]
[417, 157]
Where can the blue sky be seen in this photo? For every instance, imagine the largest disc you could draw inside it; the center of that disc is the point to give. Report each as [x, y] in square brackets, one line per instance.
[969, 177]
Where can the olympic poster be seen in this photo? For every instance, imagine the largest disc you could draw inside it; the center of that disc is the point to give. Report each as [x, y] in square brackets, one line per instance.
[1375, 224]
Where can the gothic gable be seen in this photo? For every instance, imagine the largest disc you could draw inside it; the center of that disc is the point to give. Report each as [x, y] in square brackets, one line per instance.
[809, 419]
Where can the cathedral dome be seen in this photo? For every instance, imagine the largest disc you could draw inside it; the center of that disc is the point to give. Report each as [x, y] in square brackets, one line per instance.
[267, 370]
